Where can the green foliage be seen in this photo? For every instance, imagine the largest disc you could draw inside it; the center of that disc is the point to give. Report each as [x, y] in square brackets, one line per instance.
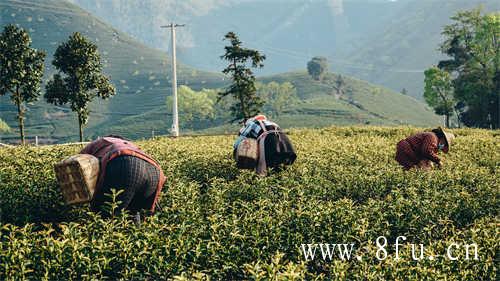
[21, 70]
[317, 67]
[278, 97]
[225, 224]
[472, 44]
[193, 105]
[112, 203]
[222, 106]
[4, 127]
[439, 92]
[243, 90]
[79, 61]
[201, 109]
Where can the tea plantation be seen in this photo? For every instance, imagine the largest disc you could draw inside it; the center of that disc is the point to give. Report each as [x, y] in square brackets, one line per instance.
[221, 223]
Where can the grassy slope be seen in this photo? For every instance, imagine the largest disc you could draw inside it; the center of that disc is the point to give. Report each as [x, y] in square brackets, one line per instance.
[319, 108]
[141, 75]
[376, 105]
[345, 187]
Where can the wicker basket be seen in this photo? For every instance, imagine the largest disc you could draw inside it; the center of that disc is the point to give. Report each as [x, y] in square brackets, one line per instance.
[247, 154]
[77, 175]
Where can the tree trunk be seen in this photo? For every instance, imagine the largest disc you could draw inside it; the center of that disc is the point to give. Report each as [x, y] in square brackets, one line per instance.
[80, 125]
[240, 94]
[20, 116]
[447, 120]
[458, 118]
[243, 107]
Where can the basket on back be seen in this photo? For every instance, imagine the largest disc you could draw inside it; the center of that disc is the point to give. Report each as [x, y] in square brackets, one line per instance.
[77, 175]
[247, 154]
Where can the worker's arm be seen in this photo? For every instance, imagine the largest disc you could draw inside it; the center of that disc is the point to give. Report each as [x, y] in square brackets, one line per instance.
[429, 149]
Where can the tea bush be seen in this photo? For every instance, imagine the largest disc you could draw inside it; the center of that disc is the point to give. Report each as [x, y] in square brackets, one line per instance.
[221, 223]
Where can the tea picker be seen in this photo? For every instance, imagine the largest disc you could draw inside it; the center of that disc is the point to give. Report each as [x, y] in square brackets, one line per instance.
[111, 163]
[262, 144]
[420, 151]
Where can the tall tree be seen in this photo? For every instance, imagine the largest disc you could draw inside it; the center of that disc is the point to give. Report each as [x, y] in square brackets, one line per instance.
[473, 45]
[248, 103]
[438, 92]
[82, 80]
[21, 70]
[317, 67]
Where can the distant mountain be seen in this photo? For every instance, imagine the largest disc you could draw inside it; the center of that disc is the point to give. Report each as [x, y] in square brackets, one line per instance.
[388, 42]
[142, 77]
[289, 32]
[397, 55]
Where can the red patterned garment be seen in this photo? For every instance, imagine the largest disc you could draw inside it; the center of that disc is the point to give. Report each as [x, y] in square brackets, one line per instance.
[109, 148]
[414, 149]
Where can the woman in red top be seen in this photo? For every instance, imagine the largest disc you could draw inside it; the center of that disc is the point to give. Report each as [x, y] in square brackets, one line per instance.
[421, 149]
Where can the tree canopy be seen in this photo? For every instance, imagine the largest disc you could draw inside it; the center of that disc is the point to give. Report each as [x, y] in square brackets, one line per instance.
[247, 102]
[80, 79]
[438, 92]
[317, 67]
[278, 96]
[473, 47]
[193, 105]
[21, 70]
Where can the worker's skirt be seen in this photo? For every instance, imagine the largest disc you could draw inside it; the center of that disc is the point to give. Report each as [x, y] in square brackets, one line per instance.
[137, 179]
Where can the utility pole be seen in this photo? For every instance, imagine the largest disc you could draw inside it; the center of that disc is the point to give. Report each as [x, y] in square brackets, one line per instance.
[175, 123]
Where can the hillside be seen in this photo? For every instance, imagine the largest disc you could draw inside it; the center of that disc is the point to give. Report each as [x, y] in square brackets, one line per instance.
[218, 223]
[141, 75]
[318, 106]
[360, 103]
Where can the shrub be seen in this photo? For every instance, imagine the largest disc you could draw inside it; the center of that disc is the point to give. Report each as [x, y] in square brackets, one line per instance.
[221, 223]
